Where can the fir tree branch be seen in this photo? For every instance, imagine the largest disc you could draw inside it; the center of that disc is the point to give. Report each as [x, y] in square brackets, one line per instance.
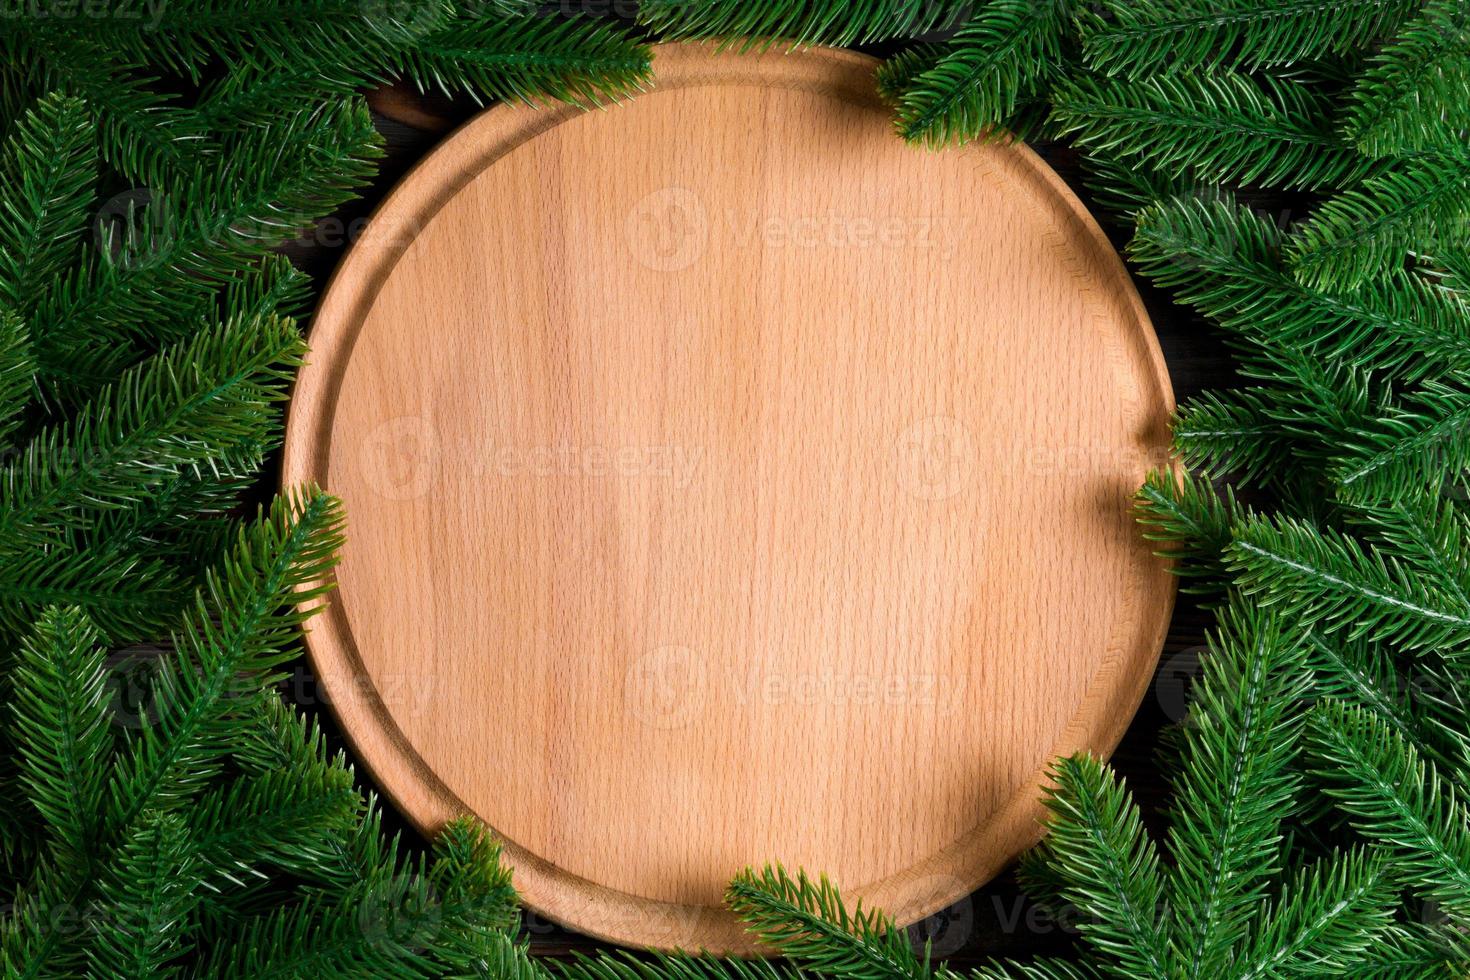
[1413, 951]
[1398, 799]
[897, 73]
[808, 922]
[836, 22]
[1409, 448]
[1323, 578]
[272, 287]
[146, 895]
[1412, 97]
[1365, 232]
[527, 58]
[1189, 514]
[1138, 38]
[1328, 915]
[508, 960]
[1226, 261]
[1363, 674]
[129, 596]
[203, 232]
[16, 371]
[280, 35]
[1231, 433]
[626, 966]
[1110, 867]
[998, 59]
[278, 818]
[1221, 127]
[1040, 969]
[278, 738]
[59, 725]
[1235, 788]
[448, 920]
[143, 134]
[240, 628]
[1126, 188]
[48, 166]
[184, 409]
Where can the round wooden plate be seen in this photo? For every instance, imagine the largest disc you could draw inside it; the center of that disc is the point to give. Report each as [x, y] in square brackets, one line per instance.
[727, 483]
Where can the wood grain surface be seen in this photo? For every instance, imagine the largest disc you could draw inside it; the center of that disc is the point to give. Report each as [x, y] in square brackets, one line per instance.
[729, 482]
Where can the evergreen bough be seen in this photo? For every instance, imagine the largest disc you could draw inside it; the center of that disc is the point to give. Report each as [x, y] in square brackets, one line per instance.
[166, 812]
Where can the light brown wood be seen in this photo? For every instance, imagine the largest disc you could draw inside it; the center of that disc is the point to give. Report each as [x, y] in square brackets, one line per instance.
[729, 482]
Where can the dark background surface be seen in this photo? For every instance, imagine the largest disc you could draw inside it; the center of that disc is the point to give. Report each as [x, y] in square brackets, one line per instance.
[999, 919]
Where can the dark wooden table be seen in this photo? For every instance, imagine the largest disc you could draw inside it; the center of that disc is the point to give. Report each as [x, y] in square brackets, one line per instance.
[999, 919]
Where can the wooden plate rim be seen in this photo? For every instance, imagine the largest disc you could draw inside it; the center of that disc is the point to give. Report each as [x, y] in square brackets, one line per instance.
[948, 875]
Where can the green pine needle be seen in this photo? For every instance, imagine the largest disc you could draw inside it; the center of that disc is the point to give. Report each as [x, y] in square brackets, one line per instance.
[1415, 445]
[1231, 433]
[1372, 230]
[1328, 915]
[1138, 38]
[1039, 969]
[167, 265]
[1323, 578]
[240, 629]
[142, 133]
[1220, 127]
[1125, 188]
[627, 966]
[1236, 787]
[809, 923]
[897, 73]
[396, 922]
[1226, 261]
[1364, 674]
[16, 371]
[996, 61]
[59, 722]
[180, 411]
[835, 22]
[528, 58]
[1412, 97]
[287, 818]
[1399, 799]
[1193, 519]
[48, 168]
[1110, 867]
[149, 888]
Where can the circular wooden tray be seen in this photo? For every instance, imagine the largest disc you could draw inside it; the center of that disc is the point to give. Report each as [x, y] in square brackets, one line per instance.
[728, 482]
